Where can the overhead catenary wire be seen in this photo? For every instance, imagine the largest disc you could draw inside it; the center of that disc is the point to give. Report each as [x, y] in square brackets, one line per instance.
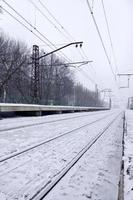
[101, 39]
[24, 20]
[65, 30]
[83, 55]
[111, 43]
[48, 43]
[35, 34]
[56, 20]
[23, 25]
[31, 30]
[34, 28]
[69, 36]
[47, 18]
[110, 38]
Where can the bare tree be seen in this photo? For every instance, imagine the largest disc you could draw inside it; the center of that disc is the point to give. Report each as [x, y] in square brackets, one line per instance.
[57, 81]
[12, 60]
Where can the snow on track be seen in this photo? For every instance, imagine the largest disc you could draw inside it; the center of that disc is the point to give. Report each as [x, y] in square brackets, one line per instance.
[96, 175]
[21, 122]
[21, 177]
[14, 141]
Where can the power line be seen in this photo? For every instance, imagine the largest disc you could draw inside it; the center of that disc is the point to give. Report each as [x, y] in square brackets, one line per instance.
[56, 20]
[83, 55]
[107, 24]
[45, 16]
[32, 27]
[23, 25]
[25, 21]
[101, 39]
[36, 30]
[69, 36]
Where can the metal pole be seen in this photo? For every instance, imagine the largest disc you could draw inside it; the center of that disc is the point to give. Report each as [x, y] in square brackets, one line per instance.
[72, 43]
[35, 76]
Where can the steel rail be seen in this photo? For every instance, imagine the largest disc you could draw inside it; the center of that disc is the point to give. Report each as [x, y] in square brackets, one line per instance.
[10, 156]
[41, 194]
[45, 122]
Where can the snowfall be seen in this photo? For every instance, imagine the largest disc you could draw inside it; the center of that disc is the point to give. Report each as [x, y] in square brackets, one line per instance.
[95, 176]
[128, 157]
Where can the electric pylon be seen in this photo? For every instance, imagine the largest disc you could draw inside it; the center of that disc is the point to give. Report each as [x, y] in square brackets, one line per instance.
[35, 76]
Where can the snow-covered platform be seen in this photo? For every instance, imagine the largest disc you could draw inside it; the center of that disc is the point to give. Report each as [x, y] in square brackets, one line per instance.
[39, 109]
[128, 157]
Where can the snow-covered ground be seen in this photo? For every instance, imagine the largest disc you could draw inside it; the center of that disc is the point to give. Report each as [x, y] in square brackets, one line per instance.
[15, 140]
[128, 157]
[9, 123]
[96, 175]
[21, 177]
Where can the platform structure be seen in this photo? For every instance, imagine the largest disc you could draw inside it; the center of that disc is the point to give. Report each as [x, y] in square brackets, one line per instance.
[38, 110]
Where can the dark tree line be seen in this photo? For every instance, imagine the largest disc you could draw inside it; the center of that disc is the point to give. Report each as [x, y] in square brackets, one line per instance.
[56, 81]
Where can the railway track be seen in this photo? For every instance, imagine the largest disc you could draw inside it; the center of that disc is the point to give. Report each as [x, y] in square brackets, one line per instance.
[46, 122]
[14, 163]
[13, 155]
[41, 194]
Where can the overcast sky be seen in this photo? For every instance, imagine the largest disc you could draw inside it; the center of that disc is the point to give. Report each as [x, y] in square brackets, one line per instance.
[75, 17]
